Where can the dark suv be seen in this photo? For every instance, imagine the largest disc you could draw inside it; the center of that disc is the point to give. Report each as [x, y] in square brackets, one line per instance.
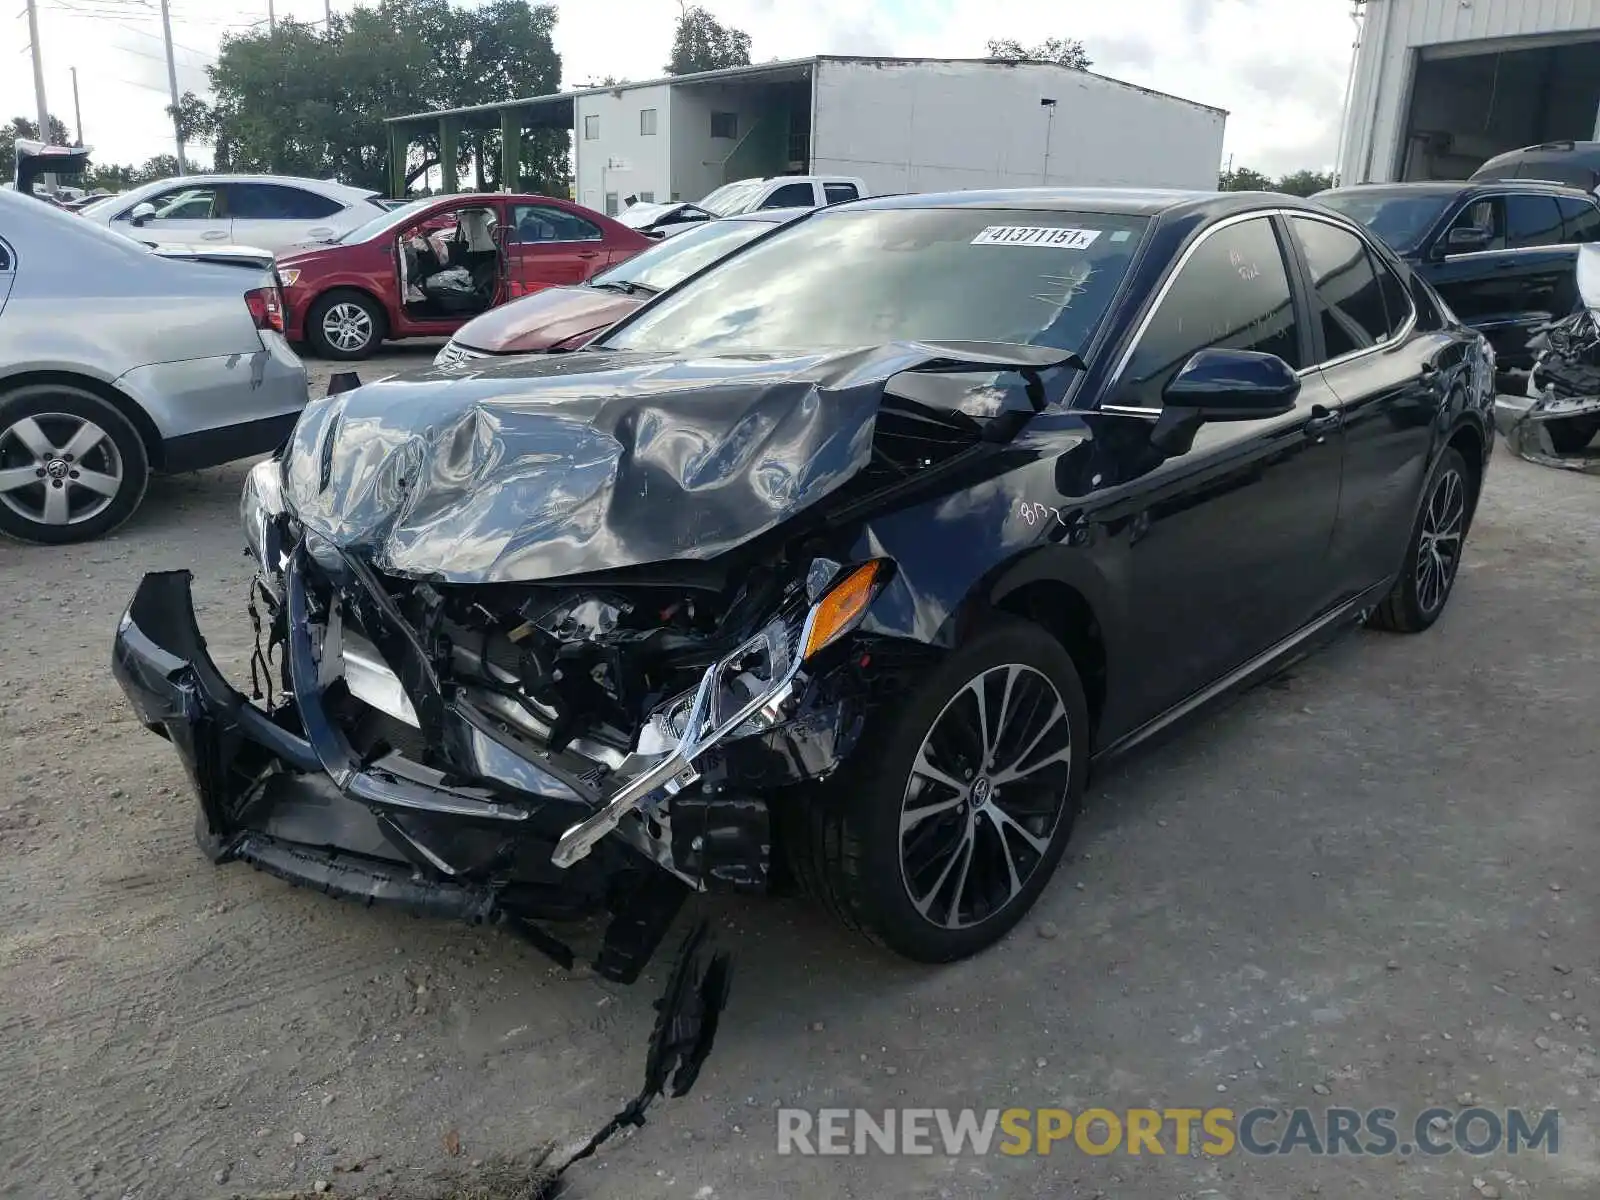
[1502, 254]
[1574, 164]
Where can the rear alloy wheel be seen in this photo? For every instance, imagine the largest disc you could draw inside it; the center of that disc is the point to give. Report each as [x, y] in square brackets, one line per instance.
[941, 845]
[345, 326]
[71, 466]
[1433, 557]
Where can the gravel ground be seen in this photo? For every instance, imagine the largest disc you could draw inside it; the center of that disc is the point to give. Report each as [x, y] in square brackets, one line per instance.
[1366, 884]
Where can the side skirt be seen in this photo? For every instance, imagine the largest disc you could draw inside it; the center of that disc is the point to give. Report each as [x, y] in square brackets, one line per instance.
[1269, 662]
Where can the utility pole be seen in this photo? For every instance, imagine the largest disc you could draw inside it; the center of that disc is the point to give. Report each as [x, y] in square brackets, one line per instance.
[172, 86]
[77, 109]
[272, 18]
[327, 12]
[38, 74]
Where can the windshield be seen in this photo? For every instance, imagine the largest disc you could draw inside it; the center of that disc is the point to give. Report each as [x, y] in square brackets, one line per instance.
[674, 260]
[392, 219]
[732, 198]
[1401, 219]
[864, 277]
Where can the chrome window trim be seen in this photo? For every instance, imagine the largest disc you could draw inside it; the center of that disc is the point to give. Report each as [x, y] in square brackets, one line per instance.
[1392, 340]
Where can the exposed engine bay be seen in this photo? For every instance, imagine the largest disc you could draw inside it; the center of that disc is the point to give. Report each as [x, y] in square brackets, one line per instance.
[1557, 422]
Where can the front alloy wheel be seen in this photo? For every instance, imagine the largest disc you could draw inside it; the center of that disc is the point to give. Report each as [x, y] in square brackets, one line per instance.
[949, 819]
[345, 326]
[986, 790]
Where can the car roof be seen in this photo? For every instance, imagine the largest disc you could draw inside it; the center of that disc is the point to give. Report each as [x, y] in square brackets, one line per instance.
[326, 187]
[1457, 187]
[1143, 202]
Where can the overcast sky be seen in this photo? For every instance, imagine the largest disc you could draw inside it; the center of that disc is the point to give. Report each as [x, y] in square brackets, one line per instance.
[1278, 66]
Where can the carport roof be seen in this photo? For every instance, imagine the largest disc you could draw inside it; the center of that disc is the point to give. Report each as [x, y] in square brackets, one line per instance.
[556, 109]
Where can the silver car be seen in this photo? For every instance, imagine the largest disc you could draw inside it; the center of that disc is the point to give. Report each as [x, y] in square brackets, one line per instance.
[117, 360]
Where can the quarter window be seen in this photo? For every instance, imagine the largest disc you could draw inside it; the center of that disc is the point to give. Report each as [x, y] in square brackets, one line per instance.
[1532, 221]
[1581, 219]
[1350, 304]
[542, 223]
[1232, 294]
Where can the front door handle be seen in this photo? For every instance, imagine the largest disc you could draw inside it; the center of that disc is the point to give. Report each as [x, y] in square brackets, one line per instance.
[214, 235]
[588, 254]
[1323, 422]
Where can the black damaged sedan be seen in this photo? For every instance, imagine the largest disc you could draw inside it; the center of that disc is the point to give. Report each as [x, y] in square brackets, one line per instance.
[842, 563]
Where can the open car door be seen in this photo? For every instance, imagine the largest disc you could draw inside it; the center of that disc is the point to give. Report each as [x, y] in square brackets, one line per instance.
[35, 160]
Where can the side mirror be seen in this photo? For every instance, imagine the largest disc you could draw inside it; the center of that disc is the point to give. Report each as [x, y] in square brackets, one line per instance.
[142, 212]
[1223, 385]
[1467, 239]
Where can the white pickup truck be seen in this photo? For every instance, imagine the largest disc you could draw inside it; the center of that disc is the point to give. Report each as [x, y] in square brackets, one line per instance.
[743, 196]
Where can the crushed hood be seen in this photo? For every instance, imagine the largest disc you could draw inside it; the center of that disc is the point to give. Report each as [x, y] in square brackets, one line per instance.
[537, 468]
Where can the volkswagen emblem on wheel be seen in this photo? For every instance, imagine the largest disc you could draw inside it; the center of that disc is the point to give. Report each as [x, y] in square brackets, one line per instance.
[57, 468]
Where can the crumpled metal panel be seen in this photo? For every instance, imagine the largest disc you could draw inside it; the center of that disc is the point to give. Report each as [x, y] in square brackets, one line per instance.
[543, 467]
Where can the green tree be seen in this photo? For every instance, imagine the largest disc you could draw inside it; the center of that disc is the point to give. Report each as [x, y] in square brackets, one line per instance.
[1067, 52]
[1243, 179]
[702, 43]
[1305, 183]
[303, 100]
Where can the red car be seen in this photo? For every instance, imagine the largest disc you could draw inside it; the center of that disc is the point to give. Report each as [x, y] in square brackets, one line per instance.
[427, 268]
[564, 318]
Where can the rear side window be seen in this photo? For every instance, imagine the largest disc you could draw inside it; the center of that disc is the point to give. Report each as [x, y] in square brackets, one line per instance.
[1580, 219]
[1232, 294]
[1349, 295]
[839, 192]
[1532, 221]
[792, 195]
[275, 202]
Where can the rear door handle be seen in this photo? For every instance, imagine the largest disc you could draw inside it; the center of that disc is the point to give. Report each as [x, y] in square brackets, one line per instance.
[1322, 423]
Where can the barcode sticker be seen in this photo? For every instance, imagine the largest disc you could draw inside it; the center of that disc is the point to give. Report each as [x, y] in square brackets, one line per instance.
[1050, 236]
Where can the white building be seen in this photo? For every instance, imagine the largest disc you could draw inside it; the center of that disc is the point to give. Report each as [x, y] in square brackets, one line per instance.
[1440, 86]
[902, 125]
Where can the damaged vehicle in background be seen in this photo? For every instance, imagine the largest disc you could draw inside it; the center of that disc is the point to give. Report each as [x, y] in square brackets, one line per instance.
[564, 318]
[1556, 422]
[838, 563]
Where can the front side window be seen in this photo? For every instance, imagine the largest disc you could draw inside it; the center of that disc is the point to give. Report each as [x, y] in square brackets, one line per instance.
[1487, 215]
[647, 122]
[1232, 294]
[542, 223]
[591, 128]
[791, 195]
[1532, 221]
[1349, 294]
[187, 204]
[851, 277]
[1580, 219]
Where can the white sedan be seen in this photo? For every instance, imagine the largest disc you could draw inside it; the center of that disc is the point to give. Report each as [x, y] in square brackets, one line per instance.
[273, 212]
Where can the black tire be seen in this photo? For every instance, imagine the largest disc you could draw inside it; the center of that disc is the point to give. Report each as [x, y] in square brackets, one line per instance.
[1569, 437]
[346, 302]
[47, 430]
[1423, 589]
[845, 846]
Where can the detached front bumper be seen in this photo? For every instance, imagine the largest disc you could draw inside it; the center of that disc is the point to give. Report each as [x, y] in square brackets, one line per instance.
[284, 791]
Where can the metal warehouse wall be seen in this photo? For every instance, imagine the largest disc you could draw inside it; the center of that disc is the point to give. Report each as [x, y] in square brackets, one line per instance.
[933, 126]
[1395, 29]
